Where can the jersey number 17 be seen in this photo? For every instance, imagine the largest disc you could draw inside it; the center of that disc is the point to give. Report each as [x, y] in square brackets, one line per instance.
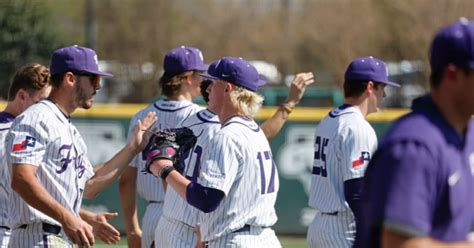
[266, 162]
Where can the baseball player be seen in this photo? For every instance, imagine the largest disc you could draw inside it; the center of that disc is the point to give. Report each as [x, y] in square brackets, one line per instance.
[50, 169]
[29, 85]
[179, 84]
[177, 224]
[418, 189]
[344, 144]
[237, 184]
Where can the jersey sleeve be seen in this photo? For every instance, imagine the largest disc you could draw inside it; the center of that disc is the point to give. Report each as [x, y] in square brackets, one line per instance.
[220, 164]
[356, 146]
[402, 188]
[26, 142]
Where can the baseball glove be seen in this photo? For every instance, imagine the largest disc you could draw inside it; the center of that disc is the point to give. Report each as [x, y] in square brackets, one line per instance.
[173, 144]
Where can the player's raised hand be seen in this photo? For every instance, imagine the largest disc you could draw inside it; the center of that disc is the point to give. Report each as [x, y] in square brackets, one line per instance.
[298, 87]
[78, 231]
[140, 135]
[103, 229]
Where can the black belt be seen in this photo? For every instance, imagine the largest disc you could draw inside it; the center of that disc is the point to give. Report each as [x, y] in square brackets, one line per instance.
[49, 228]
[246, 228]
[331, 213]
[243, 229]
[5, 227]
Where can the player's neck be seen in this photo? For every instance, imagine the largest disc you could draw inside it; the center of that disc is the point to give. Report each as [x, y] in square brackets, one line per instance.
[224, 121]
[450, 111]
[226, 113]
[63, 102]
[12, 109]
[360, 103]
[181, 97]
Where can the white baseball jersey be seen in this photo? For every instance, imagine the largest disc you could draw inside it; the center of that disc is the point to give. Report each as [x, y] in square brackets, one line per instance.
[44, 137]
[5, 189]
[344, 143]
[238, 161]
[204, 125]
[6, 120]
[176, 227]
[170, 114]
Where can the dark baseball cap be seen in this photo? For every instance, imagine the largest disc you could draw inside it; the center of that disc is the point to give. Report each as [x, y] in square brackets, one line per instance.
[368, 69]
[182, 59]
[453, 44]
[75, 59]
[236, 71]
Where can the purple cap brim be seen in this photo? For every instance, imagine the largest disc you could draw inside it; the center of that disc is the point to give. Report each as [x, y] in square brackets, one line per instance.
[206, 75]
[100, 73]
[260, 82]
[391, 84]
[203, 68]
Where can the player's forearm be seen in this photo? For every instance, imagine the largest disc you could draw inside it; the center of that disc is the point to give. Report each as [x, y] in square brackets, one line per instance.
[272, 126]
[392, 239]
[174, 178]
[178, 182]
[26, 185]
[86, 215]
[106, 173]
[127, 189]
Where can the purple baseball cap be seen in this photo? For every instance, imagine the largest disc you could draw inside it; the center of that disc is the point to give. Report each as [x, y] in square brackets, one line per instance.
[368, 69]
[236, 71]
[454, 44]
[75, 59]
[182, 59]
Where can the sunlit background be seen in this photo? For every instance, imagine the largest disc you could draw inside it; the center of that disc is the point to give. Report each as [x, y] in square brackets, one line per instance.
[282, 37]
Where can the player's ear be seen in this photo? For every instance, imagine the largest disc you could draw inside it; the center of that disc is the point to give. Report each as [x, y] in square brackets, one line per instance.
[21, 94]
[370, 86]
[69, 78]
[450, 72]
[228, 87]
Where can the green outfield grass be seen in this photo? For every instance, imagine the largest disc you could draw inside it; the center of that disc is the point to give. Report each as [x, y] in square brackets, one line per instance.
[286, 242]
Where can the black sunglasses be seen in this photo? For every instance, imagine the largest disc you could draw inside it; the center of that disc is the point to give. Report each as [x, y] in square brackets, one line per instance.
[94, 78]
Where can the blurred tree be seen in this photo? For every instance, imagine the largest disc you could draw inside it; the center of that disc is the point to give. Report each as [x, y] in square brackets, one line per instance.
[26, 36]
[322, 36]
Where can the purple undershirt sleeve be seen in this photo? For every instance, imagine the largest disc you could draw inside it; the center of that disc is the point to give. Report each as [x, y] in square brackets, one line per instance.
[204, 198]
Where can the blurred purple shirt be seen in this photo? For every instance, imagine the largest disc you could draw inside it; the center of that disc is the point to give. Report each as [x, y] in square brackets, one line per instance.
[420, 180]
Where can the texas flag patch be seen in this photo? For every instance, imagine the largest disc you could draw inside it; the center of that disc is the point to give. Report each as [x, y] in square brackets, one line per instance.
[24, 144]
[365, 156]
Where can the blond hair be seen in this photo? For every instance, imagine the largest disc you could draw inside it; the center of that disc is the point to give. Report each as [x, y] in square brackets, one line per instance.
[247, 103]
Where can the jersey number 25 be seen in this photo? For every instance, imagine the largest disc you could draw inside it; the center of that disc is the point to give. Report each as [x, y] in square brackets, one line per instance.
[320, 155]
